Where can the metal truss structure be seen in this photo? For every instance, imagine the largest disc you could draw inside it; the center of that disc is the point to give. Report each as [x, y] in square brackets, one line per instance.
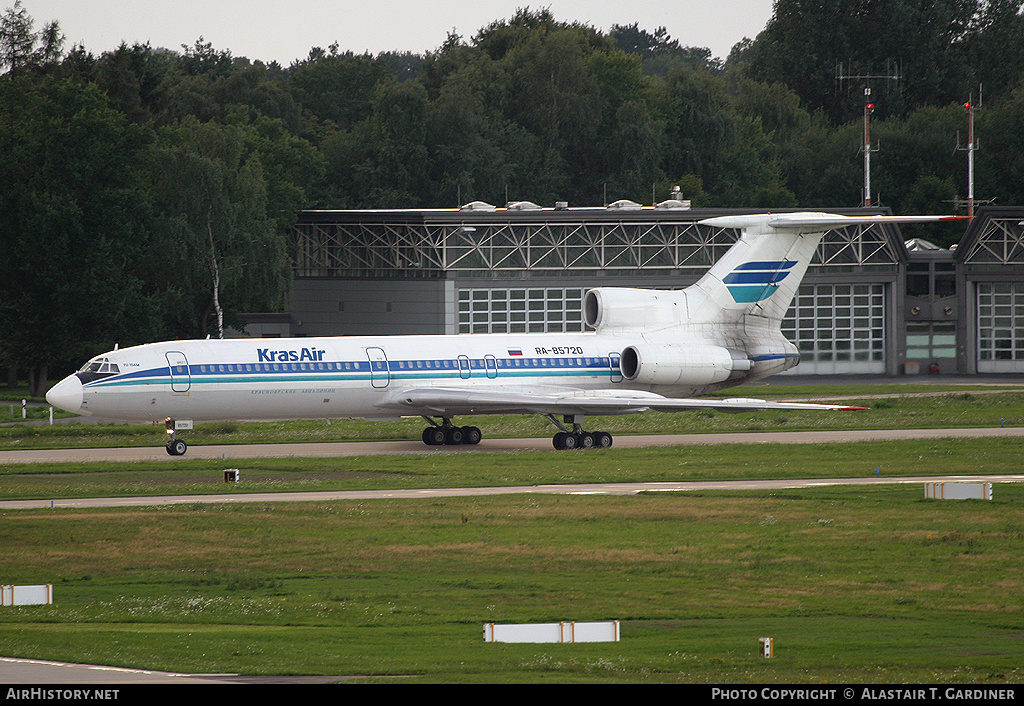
[998, 241]
[494, 247]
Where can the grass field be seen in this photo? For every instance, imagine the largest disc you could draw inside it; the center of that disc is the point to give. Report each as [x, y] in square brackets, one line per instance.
[871, 585]
[941, 407]
[855, 584]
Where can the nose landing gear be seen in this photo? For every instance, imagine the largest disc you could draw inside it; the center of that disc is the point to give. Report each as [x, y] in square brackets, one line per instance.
[176, 446]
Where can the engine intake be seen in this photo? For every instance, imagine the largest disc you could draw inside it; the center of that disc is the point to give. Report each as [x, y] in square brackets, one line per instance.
[681, 365]
[614, 307]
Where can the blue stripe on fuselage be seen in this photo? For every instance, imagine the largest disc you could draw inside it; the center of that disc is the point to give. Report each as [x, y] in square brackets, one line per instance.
[333, 371]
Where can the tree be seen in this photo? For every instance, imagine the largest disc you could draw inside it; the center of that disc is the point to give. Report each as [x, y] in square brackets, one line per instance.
[217, 251]
[21, 47]
[700, 120]
[993, 46]
[1000, 166]
[748, 173]
[384, 159]
[339, 88]
[72, 226]
[135, 79]
[471, 146]
[806, 44]
[659, 52]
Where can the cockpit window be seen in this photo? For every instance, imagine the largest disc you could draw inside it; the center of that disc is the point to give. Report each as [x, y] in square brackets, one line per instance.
[93, 366]
[96, 369]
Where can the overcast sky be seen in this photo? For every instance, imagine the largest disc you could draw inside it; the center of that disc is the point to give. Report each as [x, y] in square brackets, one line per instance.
[285, 30]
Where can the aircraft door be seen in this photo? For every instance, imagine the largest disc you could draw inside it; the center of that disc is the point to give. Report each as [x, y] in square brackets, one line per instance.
[614, 368]
[177, 366]
[380, 375]
[464, 367]
[491, 366]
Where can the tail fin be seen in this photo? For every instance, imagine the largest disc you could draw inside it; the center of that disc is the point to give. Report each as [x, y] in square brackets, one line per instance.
[752, 286]
[760, 275]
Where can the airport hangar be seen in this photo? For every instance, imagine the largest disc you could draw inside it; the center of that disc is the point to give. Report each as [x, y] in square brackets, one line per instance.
[871, 303]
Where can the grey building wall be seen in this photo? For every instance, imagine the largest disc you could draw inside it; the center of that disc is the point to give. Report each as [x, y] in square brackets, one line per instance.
[372, 307]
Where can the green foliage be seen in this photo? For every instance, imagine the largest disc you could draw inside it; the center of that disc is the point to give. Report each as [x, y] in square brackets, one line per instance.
[210, 202]
[337, 88]
[804, 45]
[21, 48]
[72, 223]
[660, 53]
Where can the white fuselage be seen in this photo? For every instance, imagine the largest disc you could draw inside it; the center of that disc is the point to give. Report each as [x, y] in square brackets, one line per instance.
[341, 377]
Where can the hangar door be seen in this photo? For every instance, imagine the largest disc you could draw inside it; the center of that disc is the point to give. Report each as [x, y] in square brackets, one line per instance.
[1000, 317]
[838, 328]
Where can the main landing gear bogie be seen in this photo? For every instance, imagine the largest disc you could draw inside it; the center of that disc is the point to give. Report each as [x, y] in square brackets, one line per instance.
[574, 437]
[567, 440]
[447, 434]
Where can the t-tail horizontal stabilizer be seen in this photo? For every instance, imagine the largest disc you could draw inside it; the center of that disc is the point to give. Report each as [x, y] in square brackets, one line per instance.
[760, 275]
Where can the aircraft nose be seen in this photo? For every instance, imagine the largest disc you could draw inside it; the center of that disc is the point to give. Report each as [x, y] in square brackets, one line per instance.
[66, 394]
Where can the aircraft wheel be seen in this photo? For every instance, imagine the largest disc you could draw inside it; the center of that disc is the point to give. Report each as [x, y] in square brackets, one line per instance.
[602, 439]
[433, 436]
[585, 440]
[177, 447]
[471, 435]
[563, 440]
[453, 436]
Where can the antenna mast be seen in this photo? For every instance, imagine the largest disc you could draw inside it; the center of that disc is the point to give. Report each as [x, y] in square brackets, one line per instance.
[972, 145]
[869, 108]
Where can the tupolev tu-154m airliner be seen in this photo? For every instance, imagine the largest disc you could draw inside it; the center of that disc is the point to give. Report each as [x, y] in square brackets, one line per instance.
[648, 350]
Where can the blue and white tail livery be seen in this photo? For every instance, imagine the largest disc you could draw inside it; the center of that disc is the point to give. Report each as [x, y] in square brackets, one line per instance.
[648, 350]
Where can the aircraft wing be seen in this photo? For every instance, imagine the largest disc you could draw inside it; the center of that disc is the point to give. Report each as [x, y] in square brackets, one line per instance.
[447, 402]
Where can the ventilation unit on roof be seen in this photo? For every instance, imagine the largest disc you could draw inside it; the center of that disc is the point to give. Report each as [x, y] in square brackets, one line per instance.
[624, 205]
[522, 206]
[673, 203]
[480, 206]
[918, 245]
